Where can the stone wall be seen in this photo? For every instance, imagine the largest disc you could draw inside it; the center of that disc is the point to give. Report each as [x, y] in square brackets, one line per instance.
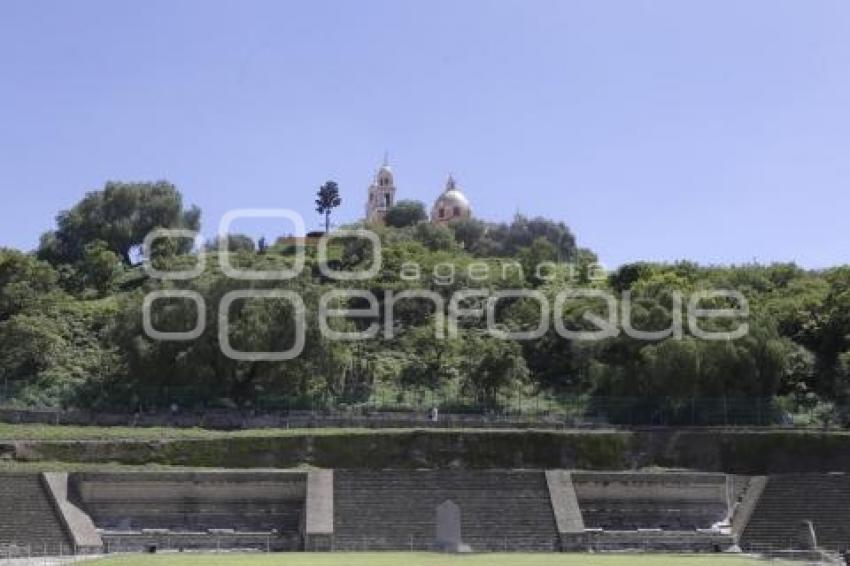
[145, 542]
[656, 541]
[735, 452]
[565, 507]
[319, 512]
[77, 523]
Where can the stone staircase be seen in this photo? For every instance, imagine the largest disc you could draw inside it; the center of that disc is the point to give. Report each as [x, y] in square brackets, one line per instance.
[788, 500]
[396, 510]
[28, 517]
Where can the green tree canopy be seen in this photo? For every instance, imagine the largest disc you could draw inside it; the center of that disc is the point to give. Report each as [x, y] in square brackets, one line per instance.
[509, 239]
[120, 215]
[233, 243]
[24, 281]
[406, 213]
[327, 199]
[468, 231]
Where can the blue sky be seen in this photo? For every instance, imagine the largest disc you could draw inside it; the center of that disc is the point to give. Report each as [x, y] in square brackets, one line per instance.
[714, 130]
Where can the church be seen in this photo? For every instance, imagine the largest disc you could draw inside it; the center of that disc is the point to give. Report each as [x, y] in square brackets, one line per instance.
[449, 205]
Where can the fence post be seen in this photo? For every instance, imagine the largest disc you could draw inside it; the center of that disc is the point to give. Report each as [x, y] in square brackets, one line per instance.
[519, 401]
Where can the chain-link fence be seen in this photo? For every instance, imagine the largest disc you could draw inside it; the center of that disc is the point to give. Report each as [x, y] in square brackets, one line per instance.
[518, 408]
[39, 553]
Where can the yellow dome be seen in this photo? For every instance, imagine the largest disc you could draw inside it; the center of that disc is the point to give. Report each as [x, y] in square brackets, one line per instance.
[451, 204]
[453, 198]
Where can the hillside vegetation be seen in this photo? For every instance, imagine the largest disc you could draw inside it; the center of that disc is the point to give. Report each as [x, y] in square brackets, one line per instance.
[72, 333]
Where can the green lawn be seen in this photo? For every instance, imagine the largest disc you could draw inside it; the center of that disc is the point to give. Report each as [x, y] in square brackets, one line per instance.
[424, 559]
[69, 432]
[66, 432]
[14, 466]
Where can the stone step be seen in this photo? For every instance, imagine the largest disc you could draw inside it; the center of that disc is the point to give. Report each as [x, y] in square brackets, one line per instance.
[28, 517]
[790, 499]
[392, 510]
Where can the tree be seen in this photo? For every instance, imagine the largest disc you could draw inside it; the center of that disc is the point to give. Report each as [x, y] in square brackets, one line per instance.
[433, 236]
[406, 213]
[540, 251]
[468, 231]
[31, 343]
[234, 243]
[432, 361]
[121, 215]
[24, 281]
[198, 373]
[56, 356]
[494, 365]
[328, 199]
[828, 332]
[508, 239]
[99, 267]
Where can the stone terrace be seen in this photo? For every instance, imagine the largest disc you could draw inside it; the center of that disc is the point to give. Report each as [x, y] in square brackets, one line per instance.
[396, 510]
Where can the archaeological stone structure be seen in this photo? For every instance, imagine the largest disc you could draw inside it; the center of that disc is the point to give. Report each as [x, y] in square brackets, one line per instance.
[456, 510]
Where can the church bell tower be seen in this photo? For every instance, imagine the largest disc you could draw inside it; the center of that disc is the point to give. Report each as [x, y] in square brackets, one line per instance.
[381, 194]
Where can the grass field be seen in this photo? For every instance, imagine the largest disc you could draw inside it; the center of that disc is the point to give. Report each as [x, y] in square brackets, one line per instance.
[426, 559]
[67, 432]
[45, 432]
[10, 432]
